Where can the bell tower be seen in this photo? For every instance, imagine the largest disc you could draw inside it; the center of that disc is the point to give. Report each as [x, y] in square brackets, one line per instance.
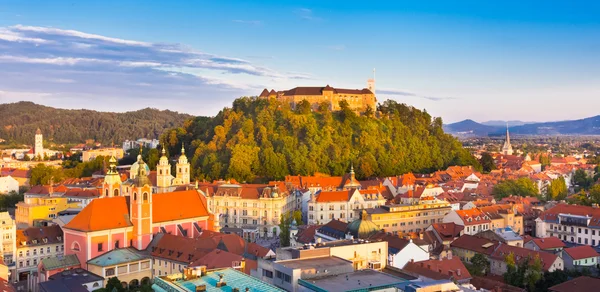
[38, 149]
[163, 172]
[141, 208]
[183, 168]
[112, 180]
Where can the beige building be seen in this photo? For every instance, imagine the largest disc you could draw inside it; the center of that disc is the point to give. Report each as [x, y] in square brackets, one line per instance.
[8, 236]
[342, 205]
[106, 152]
[33, 245]
[165, 181]
[358, 99]
[256, 209]
[403, 218]
[129, 265]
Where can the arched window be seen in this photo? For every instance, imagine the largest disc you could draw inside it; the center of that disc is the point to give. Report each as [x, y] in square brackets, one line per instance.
[161, 172]
[75, 246]
[106, 193]
[145, 197]
[96, 284]
[116, 193]
[135, 196]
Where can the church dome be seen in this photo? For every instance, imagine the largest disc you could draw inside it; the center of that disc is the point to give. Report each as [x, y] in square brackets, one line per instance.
[362, 228]
[135, 168]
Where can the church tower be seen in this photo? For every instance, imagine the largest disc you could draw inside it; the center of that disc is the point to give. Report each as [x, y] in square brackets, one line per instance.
[183, 168]
[141, 207]
[163, 172]
[112, 180]
[38, 149]
[507, 148]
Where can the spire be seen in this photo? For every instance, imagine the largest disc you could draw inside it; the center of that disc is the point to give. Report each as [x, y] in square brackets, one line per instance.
[507, 134]
[164, 153]
[182, 149]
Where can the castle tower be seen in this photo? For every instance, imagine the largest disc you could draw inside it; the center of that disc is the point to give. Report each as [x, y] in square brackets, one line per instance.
[38, 149]
[507, 148]
[183, 168]
[371, 83]
[141, 207]
[112, 180]
[163, 172]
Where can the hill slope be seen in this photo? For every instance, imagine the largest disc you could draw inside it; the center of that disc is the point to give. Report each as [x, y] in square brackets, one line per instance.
[267, 140]
[19, 121]
[470, 128]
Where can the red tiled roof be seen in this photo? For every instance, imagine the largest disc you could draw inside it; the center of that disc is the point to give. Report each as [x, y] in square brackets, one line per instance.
[521, 254]
[583, 283]
[448, 231]
[33, 236]
[451, 267]
[473, 216]
[102, 214]
[335, 196]
[548, 242]
[307, 235]
[217, 259]
[177, 206]
[552, 213]
[475, 243]
[581, 252]
[79, 193]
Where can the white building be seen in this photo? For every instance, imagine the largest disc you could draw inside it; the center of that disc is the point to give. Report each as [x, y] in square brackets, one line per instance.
[341, 205]
[8, 184]
[8, 248]
[473, 220]
[148, 143]
[570, 223]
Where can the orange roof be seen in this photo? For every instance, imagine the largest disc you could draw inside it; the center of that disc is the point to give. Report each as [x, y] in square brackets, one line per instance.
[335, 196]
[102, 214]
[581, 252]
[178, 205]
[548, 242]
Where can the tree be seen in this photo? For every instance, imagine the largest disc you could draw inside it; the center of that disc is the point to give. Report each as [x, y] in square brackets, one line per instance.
[42, 175]
[113, 284]
[595, 194]
[487, 162]
[523, 187]
[557, 190]
[511, 276]
[581, 181]
[533, 271]
[480, 265]
[284, 230]
[303, 107]
[369, 111]
[298, 217]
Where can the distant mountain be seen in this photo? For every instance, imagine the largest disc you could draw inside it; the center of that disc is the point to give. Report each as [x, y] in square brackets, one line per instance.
[498, 123]
[587, 126]
[468, 128]
[19, 121]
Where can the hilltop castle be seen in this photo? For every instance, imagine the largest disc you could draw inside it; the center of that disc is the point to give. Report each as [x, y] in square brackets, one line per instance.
[358, 99]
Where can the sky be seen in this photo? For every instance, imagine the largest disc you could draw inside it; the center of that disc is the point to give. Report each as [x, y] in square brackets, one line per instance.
[482, 60]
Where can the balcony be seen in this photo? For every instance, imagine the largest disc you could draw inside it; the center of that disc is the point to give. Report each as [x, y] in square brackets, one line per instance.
[563, 232]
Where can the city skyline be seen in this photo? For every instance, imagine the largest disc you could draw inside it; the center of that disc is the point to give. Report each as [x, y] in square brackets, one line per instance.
[457, 61]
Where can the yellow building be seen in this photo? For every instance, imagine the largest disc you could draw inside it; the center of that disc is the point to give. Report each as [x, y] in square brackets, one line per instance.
[358, 99]
[43, 208]
[106, 152]
[133, 268]
[254, 208]
[503, 216]
[403, 218]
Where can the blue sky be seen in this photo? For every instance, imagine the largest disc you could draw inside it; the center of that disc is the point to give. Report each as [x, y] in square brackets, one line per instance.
[484, 60]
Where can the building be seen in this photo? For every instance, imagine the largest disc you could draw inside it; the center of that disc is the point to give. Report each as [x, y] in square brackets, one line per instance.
[148, 143]
[33, 245]
[402, 251]
[41, 207]
[474, 220]
[570, 223]
[8, 235]
[132, 267]
[583, 283]
[89, 155]
[76, 280]
[504, 216]
[580, 257]
[255, 208]
[548, 244]
[136, 215]
[507, 148]
[406, 218]
[364, 280]
[286, 274]
[199, 279]
[53, 265]
[449, 266]
[358, 99]
[165, 181]
[38, 148]
[8, 184]
[446, 233]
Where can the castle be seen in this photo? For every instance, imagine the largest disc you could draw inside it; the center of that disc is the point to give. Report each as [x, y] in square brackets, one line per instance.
[358, 99]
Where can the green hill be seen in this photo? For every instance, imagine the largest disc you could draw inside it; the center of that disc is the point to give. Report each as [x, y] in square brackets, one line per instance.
[259, 139]
[19, 121]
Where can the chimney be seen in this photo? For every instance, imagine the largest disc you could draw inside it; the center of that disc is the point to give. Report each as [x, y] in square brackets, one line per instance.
[449, 254]
[458, 272]
[421, 236]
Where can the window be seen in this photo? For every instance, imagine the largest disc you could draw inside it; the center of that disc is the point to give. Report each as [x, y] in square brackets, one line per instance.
[586, 231]
[268, 274]
[116, 244]
[116, 193]
[110, 272]
[145, 197]
[310, 208]
[99, 247]
[48, 250]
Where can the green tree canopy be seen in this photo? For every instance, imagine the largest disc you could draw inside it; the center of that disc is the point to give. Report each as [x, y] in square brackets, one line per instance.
[557, 190]
[487, 162]
[523, 187]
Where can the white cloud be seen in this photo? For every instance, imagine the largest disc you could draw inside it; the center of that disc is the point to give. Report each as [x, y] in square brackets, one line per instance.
[77, 34]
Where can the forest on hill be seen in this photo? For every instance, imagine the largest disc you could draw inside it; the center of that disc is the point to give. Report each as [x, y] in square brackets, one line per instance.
[19, 121]
[259, 140]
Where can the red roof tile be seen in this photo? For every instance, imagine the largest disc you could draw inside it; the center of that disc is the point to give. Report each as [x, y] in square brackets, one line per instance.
[102, 214]
[177, 206]
[335, 196]
[581, 252]
[583, 283]
[548, 242]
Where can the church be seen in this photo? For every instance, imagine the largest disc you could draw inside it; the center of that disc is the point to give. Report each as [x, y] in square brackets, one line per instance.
[129, 213]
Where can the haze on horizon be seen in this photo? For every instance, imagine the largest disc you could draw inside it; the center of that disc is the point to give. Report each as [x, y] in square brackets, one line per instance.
[531, 61]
